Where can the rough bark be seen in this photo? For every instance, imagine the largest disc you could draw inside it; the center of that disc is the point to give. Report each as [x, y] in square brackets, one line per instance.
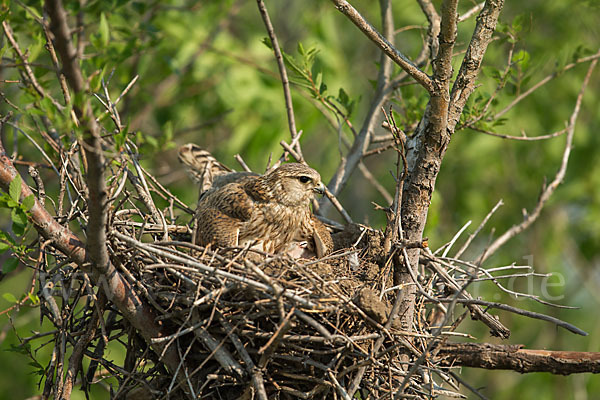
[516, 358]
[428, 145]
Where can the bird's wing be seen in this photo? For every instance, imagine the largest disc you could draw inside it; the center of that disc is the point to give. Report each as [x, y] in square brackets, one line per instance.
[257, 190]
[216, 228]
[221, 213]
[239, 177]
[322, 238]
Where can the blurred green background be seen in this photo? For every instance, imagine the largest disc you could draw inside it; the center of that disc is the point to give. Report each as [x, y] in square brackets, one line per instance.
[205, 76]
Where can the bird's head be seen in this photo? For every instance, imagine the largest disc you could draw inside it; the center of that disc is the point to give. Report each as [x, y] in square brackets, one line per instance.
[294, 184]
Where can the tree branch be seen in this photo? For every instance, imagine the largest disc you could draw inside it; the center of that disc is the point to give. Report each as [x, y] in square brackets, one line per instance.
[543, 82]
[104, 274]
[517, 358]
[97, 202]
[547, 191]
[28, 71]
[471, 64]
[117, 289]
[382, 92]
[282, 71]
[425, 152]
[388, 48]
[442, 64]
[501, 306]
[434, 27]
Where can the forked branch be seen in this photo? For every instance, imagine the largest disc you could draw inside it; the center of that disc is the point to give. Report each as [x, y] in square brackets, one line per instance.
[548, 190]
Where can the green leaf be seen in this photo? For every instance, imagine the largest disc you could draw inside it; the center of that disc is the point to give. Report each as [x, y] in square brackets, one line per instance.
[35, 300]
[28, 202]
[322, 88]
[3, 247]
[4, 14]
[151, 140]
[522, 58]
[14, 189]
[267, 42]
[5, 237]
[343, 96]
[36, 48]
[21, 349]
[120, 139]
[319, 81]
[18, 230]
[293, 65]
[104, 30]
[18, 217]
[518, 22]
[10, 265]
[168, 132]
[8, 296]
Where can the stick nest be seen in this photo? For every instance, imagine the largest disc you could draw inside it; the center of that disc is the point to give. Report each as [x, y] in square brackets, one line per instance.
[302, 327]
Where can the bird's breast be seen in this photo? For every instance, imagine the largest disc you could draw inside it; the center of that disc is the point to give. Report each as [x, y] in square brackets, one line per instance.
[274, 224]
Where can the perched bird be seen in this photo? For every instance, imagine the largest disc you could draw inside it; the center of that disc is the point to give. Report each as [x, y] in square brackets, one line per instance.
[271, 212]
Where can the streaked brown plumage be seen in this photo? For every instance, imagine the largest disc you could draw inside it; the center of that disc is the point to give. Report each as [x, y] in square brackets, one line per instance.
[272, 211]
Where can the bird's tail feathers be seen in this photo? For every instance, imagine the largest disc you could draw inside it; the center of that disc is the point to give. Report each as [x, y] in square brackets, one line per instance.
[201, 166]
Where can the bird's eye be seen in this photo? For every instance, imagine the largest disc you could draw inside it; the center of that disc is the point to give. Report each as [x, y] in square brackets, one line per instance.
[304, 179]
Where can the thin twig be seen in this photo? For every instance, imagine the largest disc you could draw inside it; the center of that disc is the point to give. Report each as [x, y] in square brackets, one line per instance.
[282, 71]
[548, 190]
[521, 138]
[28, 71]
[515, 310]
[542, 82]
[479, 228]
[382, 93]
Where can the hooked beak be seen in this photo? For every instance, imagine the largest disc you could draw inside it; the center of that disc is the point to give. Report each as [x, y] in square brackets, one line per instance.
[320, 189]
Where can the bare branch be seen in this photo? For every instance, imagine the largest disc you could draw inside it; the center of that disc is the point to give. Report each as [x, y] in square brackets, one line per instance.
[469, 69]
[541, 83]
[442, 64]
[362, 141]
[78, 350]
[515, 357]
[28, 71]
[479, 228]
[388, 48]
[472, 11]
[282, 71]
[522, 138]
[54, 58]
[375, 183]
[526, 313]
[496, 327]
[433, 31]
[547, 191]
